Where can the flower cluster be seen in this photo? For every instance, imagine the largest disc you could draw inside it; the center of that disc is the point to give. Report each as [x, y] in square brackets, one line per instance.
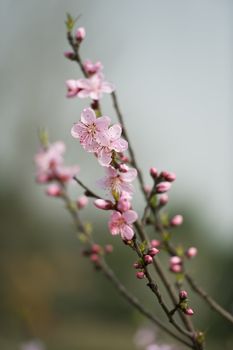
[51, 169]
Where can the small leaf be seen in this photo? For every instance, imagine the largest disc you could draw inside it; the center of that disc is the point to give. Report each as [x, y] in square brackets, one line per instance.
[154, 201]
[69, 22]
[143, 246]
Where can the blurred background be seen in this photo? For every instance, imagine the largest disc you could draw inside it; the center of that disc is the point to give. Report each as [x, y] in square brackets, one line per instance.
[171, 62]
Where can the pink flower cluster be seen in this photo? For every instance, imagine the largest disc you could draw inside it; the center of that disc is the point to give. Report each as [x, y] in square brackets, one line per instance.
[94, 86]
[51, 170]
[98, 136]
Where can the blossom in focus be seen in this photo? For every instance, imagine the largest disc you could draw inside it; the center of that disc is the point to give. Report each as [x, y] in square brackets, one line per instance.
[94, 87]
[122, 223]
[118, 182]
[110, 141]
[89, 129]
[92, 68]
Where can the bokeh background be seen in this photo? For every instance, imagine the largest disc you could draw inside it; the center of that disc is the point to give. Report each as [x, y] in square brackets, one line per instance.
[171, 62]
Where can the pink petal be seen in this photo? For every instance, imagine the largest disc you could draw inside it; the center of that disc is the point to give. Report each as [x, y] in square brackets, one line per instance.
[88, 116]
[83, 94]
[127, 232]
[115, 132]
[106, 87]
[105, 157]
[111, 172]
[119, 145]
[75, 130]
[71, 84]
[129, 176]
[103, 123]
[96, 95]
[83, 84]
[130, 216]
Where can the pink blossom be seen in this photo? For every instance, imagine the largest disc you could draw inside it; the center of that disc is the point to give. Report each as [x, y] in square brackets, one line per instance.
[163, 199]
[65, 174]
[168, 176]
[123, 203]
[94, 87]
[72, 88]
[175, 260]
[183, 295]
[92, 68]
[110, 141]
[122, 224]
[153, 172]
[155, 243]
[148, 259]
[89, 129]
[189, 311]
[140, 275]
[118, 182]
[153, 251]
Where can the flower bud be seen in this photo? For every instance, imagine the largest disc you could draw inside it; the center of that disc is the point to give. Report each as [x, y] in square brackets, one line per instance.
[163, 187]
[82, 202]
[155, 243]
[69, 55]
[175, 260]
[189, 311]
[147, 189]
[153, 172]
[140, 275]
[163, 199]
[123, 168]
[153, 251]
[137, 265]
[148, 259]
[108, 248]
[80, 34]
[103, 204]
[96, 248]
[168, 176]
[183, 295]
[123, 204]
[176, 268]
[54, 190]
[94, 258]
[177, 220]
[191, 252]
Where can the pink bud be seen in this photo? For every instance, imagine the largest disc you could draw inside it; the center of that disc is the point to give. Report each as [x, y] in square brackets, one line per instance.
[168, 176]
[148, 259]
[176, 268]
[191, 252]
[153, 251]
[175, 260]
[103, 204]
[153, 172]
[163, 187]
[155, 243]
[54, 190]
[96, 248]
[108, 248]
[137, 265]
[140, 275]
[189, 311]
[177, 220]
[42, 178]
[69, 55]
[124, 158]
[80, 34]
[183, 295]
[163, 199]
[82, 202]
[94, 257]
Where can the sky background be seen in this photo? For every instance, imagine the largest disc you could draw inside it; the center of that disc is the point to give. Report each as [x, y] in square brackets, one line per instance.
[171, 62]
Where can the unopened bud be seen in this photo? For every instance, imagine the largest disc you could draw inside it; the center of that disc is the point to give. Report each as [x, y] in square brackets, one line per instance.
[189, 311]
[153, 172]
[168, 176]
[54, 190]
[163, 187]
[82, 202]
[80, 34]
[94, 258]
[153, 251]
[177, 220]
[147, 189]
[69, 55]
[140, 275]
[163, 199]
[155, 243]
[175, 260]
[96, 249]
[191, 252]
[183, 295]
[148, 259]
[103, 204]
[137, 265]
[123, 168]
[176, 268]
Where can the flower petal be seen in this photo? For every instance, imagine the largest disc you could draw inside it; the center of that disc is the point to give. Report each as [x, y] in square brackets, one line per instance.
[127, 232]
[105, 156]
[130, 216]
[115, 132]
[88, 116]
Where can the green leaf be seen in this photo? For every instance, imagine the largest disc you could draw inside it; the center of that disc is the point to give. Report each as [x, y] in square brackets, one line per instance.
[69, 22]
[143, 246]
[154, 201]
